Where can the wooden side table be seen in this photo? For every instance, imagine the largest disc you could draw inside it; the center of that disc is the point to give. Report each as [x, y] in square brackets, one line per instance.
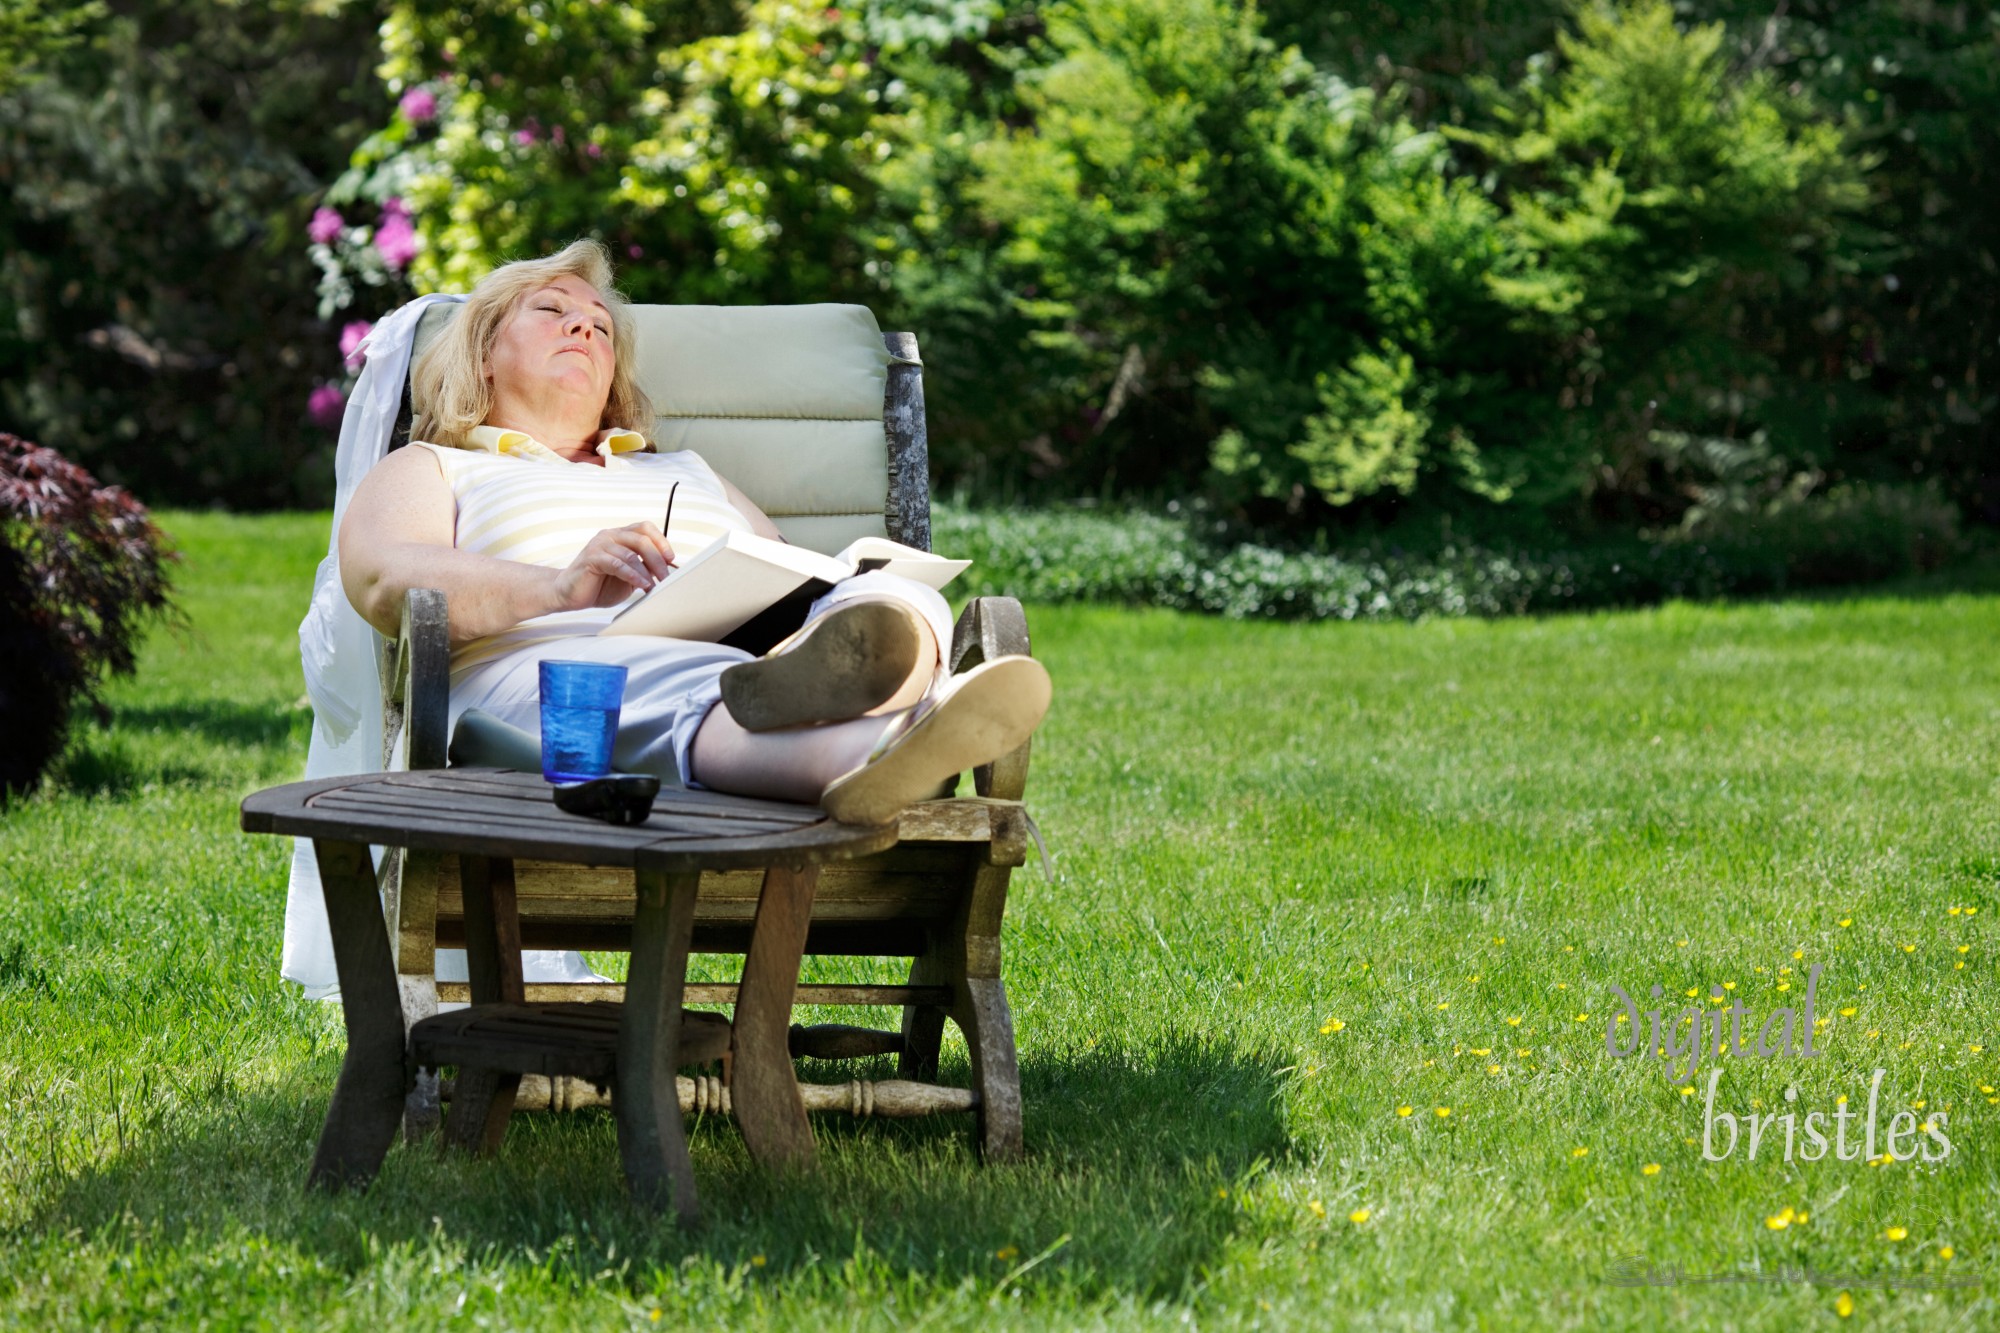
[489, 818]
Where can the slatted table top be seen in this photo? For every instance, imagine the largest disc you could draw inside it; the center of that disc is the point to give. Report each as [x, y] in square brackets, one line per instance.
[495, 812]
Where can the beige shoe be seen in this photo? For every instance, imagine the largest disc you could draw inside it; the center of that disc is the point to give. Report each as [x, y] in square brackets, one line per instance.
[979, 716]
[836, 668]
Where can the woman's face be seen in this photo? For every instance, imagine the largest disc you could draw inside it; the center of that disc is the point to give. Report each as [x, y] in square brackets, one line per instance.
[555, 343]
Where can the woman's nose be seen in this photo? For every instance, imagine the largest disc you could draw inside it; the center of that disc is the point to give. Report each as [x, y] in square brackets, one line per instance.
[578, 322]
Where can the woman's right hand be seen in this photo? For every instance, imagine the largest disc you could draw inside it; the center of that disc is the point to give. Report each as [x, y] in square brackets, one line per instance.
[611, 565]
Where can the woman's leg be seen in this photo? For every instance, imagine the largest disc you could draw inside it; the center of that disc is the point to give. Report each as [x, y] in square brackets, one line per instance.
[792, 765]
[865, 770]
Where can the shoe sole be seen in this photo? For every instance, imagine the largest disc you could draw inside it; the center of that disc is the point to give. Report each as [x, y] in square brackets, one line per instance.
[991, 711]
[856, 657]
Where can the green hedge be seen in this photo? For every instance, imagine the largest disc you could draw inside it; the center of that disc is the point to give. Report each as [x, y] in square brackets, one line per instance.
[1191, 563]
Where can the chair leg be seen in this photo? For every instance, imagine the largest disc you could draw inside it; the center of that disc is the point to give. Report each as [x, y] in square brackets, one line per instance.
[482, 1100]
[409, 895]
[423, 1111]
[923, 1024]
[996, 1074]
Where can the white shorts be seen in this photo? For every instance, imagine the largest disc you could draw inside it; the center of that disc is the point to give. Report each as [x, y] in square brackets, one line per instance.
[672, 682]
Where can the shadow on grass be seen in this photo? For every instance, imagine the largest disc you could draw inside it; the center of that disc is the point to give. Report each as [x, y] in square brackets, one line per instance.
[1130, 1151]
[219, 720]
[123, 758]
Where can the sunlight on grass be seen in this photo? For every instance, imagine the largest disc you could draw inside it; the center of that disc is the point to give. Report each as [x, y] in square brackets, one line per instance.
[1312, 1019]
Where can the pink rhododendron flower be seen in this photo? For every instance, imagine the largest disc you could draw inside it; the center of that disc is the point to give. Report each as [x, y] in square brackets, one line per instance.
[557, 136]
[635, 250]
[530, 131]
[350, 340]
[419, 105]
[592, 150]
[325, 225]
[325, 405]
[395, 238]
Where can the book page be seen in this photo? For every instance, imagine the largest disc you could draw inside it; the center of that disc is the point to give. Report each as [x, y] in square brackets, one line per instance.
[723, 587]
[895, 558]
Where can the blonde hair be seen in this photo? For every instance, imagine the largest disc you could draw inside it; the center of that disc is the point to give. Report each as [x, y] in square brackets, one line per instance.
[449, 390]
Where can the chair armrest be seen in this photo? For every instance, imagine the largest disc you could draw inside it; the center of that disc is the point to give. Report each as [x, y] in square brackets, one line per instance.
[416, 693]
[991, 627]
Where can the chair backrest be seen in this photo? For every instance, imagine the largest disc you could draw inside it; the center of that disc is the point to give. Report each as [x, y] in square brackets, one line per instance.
[787, 402]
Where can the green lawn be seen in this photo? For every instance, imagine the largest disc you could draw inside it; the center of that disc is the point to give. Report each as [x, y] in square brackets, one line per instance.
[1306, 877]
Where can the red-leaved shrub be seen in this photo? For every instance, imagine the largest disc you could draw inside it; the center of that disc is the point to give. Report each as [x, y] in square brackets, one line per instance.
[81, 565]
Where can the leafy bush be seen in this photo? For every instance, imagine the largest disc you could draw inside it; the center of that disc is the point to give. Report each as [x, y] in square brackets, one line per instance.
[156, 315]
[1850, 535]
[81, 568]
[730, 152]
[1654, 195]
[1330, 268]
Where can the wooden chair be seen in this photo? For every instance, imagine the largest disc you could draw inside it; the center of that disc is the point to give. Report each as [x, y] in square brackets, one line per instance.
[938, 897]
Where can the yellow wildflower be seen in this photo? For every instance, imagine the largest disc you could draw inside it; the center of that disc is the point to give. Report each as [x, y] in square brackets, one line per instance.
[1650, 1169]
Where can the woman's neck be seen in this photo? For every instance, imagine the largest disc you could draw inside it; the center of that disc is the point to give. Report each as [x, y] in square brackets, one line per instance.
[571, 439]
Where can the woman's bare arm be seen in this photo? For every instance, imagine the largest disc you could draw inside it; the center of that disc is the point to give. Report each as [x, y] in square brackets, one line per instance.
[760, 522]
[397, 535]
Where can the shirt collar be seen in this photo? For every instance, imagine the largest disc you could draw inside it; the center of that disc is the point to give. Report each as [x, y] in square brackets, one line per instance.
[519, 444]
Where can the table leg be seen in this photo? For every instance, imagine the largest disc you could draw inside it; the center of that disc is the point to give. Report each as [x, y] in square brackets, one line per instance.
[483, 1099]
[367, 1102]
[762, 1085]
[651, 1139]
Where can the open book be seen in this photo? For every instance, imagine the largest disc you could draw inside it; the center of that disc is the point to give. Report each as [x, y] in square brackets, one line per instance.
[749, 592]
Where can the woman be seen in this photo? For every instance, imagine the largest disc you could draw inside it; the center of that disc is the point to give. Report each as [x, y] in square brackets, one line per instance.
[529, 496]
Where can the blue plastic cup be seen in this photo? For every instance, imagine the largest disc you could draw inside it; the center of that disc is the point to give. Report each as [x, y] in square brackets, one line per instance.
[579, 718]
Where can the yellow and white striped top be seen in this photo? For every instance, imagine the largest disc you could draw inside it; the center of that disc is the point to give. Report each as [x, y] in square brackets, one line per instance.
[519, 500]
